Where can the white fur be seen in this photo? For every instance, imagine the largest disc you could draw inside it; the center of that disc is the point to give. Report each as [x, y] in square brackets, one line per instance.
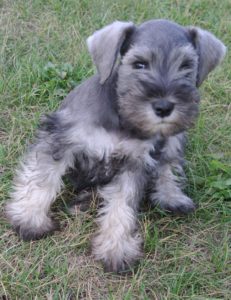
[73, 130]
[38, 180]
[101, 143]
[36, 185]
[117, 242]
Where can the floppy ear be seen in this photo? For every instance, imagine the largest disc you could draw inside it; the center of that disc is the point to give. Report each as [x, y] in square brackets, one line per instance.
[104, 46]
[211, 51]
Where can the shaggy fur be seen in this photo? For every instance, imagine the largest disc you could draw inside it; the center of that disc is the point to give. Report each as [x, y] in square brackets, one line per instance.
[121, 132]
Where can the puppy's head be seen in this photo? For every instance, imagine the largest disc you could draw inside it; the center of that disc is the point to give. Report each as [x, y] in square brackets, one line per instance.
[161, 66]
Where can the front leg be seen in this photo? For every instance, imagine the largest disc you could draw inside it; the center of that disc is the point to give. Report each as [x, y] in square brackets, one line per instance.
[165, 188]
[167, 193]
[118, 243]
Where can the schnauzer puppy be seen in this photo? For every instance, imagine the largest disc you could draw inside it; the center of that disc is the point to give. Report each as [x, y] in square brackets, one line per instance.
[122, 131]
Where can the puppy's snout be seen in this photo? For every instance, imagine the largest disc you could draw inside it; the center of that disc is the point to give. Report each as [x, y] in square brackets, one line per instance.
[163, 108]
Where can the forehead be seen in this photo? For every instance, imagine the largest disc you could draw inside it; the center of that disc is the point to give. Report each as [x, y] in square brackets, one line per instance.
[160, 34]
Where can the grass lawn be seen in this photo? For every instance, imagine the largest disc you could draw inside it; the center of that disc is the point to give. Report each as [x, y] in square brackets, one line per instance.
[42, 56]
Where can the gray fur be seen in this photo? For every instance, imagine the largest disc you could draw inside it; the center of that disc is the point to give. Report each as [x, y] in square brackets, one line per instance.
[121, 132]
[105, 44]
[211, 52]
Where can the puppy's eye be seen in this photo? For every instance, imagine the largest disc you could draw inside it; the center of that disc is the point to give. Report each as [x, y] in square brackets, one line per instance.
[138, 65]
[185, 65]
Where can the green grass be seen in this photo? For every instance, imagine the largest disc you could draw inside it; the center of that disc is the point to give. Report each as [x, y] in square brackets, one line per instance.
[42, 56]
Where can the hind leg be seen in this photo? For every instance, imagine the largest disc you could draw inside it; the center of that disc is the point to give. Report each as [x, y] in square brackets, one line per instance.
[36, 184]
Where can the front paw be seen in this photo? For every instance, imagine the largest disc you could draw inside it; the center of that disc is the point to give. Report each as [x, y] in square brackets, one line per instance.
[178, 204]
[119, 266]
[181, 205]
[117, 256]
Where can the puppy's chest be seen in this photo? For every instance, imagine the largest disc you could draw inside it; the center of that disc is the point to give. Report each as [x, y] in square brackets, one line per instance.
[102, 159]
[91, 171]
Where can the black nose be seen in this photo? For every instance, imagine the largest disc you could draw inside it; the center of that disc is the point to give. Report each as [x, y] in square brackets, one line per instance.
[163, 108]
